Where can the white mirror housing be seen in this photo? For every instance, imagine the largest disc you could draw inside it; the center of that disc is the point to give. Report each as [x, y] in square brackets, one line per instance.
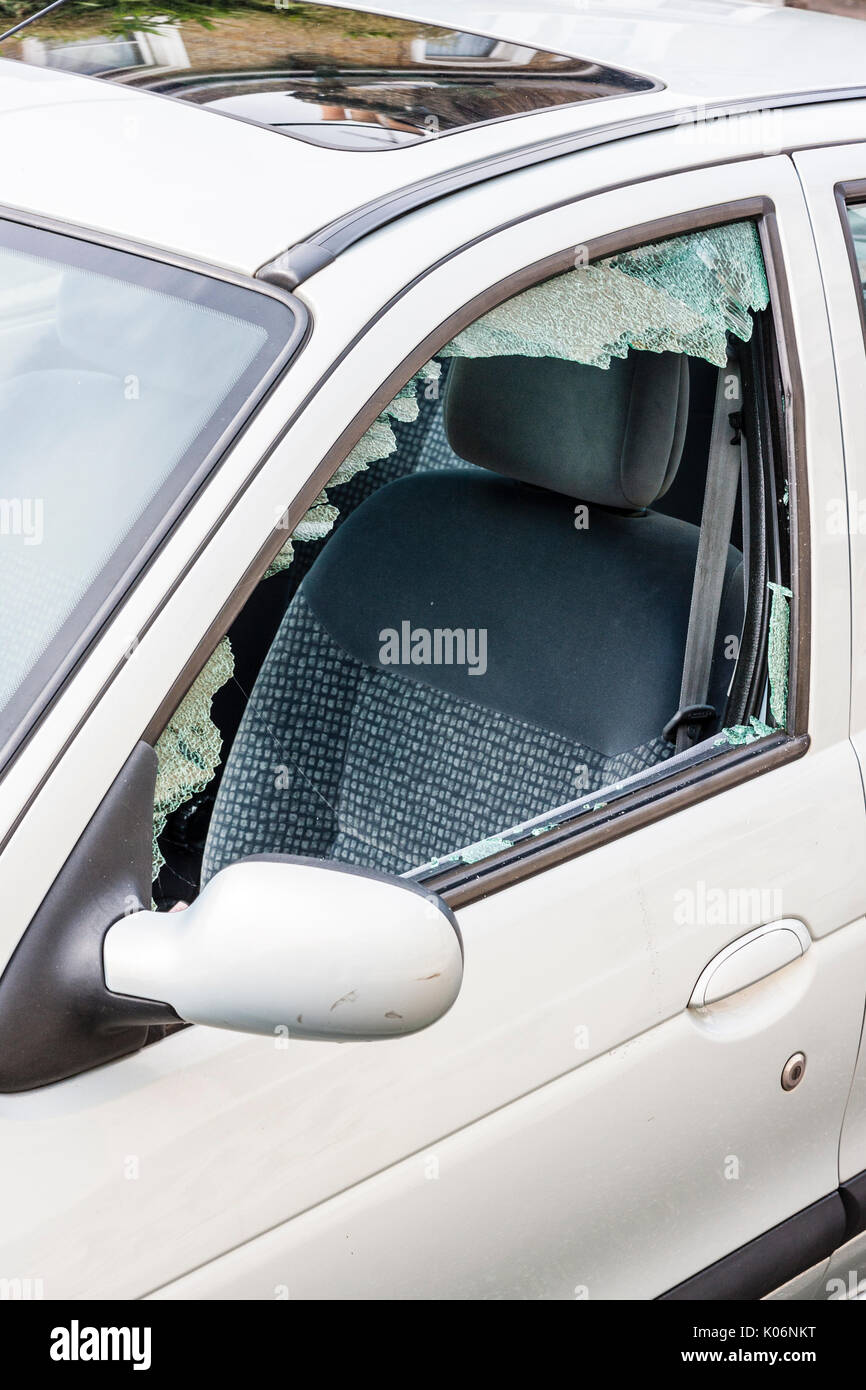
[295, 947]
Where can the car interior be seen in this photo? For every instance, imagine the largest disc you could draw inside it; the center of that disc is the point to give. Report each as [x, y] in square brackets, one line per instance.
[556, 506]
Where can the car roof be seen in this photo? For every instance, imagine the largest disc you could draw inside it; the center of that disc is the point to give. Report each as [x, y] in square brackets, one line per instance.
[188, 179]
[706, 50]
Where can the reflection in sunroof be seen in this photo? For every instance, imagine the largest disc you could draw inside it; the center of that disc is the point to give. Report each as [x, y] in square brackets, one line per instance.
[344, 78]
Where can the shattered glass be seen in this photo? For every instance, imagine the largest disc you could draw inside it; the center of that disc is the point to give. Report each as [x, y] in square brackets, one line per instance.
[738, 735]
[473, 854]
[379, 442]
[188, 750]
[778, 642]
[684, 295]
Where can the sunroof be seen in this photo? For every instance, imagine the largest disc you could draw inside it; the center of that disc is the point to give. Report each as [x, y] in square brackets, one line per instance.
[350, 79]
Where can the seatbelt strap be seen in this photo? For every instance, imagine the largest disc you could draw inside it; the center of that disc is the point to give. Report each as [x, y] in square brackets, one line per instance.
[720, 496]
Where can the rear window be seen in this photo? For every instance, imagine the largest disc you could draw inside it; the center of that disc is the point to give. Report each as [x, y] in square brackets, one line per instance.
[121, 379]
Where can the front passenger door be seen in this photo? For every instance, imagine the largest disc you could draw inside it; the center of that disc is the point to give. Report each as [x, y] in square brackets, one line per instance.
[629, 1141]
[572, 1127]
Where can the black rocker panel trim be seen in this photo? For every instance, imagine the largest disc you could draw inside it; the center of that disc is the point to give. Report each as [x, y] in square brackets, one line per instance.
[853, 1194]
[769, 1261]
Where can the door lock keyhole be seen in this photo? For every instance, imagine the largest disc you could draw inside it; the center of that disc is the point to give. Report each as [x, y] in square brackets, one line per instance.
[793, 1071]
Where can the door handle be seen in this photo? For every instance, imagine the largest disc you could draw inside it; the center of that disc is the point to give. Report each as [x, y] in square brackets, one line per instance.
[749, 959]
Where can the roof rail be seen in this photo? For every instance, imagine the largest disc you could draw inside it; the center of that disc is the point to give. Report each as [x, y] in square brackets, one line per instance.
[296, 264]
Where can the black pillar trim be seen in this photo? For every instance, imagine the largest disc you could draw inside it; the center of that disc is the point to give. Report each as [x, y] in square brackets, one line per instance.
[56, 1016]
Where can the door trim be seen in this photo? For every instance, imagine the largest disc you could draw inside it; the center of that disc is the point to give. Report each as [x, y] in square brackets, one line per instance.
[770, 1260]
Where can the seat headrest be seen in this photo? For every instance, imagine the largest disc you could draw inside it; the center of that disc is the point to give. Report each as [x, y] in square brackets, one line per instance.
[613, 437]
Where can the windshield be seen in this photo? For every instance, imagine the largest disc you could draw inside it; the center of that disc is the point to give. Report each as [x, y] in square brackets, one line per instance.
[119, 379]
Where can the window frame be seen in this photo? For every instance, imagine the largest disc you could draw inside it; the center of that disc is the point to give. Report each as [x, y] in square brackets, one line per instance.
[661, 791]
[704, 772]
[136, 551]
[852, 193]
[667, 791]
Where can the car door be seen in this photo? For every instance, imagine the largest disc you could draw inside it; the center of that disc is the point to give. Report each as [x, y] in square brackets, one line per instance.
[571, 1128]
[834, 181]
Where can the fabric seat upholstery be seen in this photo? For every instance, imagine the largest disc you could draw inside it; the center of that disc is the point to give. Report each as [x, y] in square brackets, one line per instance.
[342, 756]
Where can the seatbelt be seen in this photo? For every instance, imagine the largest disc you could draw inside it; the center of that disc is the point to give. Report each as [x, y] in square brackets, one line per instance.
[720, 496]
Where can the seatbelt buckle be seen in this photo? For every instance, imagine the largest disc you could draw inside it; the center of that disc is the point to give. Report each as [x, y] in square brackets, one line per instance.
[693, 716]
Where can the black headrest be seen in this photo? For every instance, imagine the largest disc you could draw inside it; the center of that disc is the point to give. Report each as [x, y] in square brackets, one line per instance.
[612, 436]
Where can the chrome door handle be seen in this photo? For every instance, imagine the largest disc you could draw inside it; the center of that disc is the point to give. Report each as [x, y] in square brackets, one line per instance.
[750, 958]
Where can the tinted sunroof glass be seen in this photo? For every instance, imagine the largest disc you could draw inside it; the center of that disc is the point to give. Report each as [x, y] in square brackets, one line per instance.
[344, 78]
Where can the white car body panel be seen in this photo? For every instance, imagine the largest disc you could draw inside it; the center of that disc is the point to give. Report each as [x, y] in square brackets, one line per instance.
[843, 1277]
[716, 50]
[821, 172]
[208, 1140]
[59, 132]
[564, 1193]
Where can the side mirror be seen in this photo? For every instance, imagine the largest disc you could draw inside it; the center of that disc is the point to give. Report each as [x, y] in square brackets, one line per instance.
[319, 949]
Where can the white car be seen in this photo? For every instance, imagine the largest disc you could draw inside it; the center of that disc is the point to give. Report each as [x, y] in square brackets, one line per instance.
[433, 564]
